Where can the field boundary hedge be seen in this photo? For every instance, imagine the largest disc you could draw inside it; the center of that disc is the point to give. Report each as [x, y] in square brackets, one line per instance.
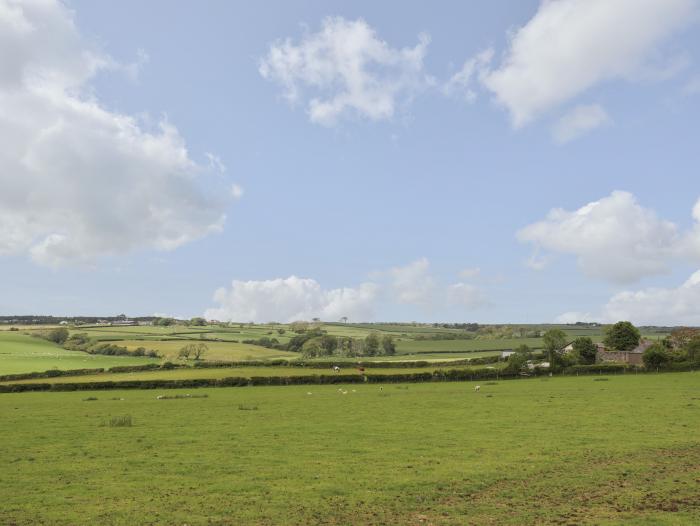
[440, 375]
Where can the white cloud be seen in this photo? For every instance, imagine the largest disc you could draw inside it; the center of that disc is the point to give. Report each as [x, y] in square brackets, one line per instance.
[289, 299]
[461, 82]
[658, 306]
[413, 284]
[579, 121]
[570, 46]
[79, 181]
[648, 306]
[465, 295]
[573, 317]
[614, 238]
[236, 191]
[471, 272]
[345, 69]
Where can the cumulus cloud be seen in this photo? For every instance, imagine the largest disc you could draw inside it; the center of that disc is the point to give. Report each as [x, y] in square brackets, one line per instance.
[570, 46]
[413, 284]
[80, 181]
[580, 121]
[649, 306]
[614, 238]
[289, 299]
[658, 306]
[345, 69]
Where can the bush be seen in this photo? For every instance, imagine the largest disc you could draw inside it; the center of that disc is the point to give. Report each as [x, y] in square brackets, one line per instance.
[656, 356]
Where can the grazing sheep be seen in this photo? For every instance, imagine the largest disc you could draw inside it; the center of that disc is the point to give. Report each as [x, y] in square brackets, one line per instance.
[336, 368]
[159, 397]
[309, 393]
[477, 388]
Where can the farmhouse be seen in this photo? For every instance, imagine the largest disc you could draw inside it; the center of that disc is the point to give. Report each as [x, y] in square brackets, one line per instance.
[506, 353]
[632, 357]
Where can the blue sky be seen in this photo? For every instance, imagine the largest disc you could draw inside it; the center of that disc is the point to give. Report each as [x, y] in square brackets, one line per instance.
[405, 192]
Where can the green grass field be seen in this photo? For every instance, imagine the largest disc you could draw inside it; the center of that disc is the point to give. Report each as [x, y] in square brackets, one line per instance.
[563, 450]
[20, 353]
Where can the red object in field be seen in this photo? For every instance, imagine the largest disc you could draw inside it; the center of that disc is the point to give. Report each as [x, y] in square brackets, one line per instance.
[361, 369]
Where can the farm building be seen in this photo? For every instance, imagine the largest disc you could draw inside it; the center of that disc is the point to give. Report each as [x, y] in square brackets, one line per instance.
[506, 353]
[633, 357]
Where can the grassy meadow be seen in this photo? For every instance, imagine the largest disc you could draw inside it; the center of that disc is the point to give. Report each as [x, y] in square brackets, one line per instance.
[562, 450]
[20, 353]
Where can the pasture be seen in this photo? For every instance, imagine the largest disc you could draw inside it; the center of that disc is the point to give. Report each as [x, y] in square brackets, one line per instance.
[563, 450]
[20, 353]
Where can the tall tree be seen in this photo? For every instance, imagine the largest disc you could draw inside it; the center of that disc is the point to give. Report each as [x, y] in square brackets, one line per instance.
[623, 336]
[554, 341]
[585, 350]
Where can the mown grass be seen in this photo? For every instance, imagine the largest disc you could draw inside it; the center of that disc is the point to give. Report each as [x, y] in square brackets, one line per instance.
[538, 451]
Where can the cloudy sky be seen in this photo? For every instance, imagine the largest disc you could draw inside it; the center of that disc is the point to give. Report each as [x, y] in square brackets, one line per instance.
[489, 161]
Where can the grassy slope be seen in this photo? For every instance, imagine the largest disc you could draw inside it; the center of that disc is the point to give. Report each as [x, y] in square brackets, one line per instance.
[20, 353]
[547, 451]
[217, 350]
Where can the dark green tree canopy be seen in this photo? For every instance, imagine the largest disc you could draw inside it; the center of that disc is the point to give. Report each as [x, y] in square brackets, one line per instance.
[656, 356]
[623, 336]
[585, 350]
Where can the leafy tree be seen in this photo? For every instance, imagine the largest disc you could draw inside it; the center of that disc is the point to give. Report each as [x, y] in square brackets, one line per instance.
[692, 349]
[388, 345]
[328, 344]
[656, 356]
[372, 344]
[196, 350]
[585, 350]
[199, 350]
[623, 336]
[682, 336]
[516, 362]
[198, 322]
[281, 331]
[554, 341]
[164, 322]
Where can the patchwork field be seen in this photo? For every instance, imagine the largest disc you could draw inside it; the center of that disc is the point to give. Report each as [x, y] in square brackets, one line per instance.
[588, 450]
[20, 353]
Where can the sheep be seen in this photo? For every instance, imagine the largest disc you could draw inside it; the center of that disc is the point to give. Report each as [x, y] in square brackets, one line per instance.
[336, 368]
[477, 388]
[159, 397]
[309, 393]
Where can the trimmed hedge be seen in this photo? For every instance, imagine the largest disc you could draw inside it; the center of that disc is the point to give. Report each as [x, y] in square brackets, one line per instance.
[51, 373]
[316, 379]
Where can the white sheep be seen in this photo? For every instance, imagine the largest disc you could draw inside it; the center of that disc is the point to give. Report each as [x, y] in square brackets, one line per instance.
[477, 388]
[159, 397]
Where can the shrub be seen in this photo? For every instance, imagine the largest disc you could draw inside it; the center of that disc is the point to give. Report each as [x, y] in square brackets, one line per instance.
[656, 356]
